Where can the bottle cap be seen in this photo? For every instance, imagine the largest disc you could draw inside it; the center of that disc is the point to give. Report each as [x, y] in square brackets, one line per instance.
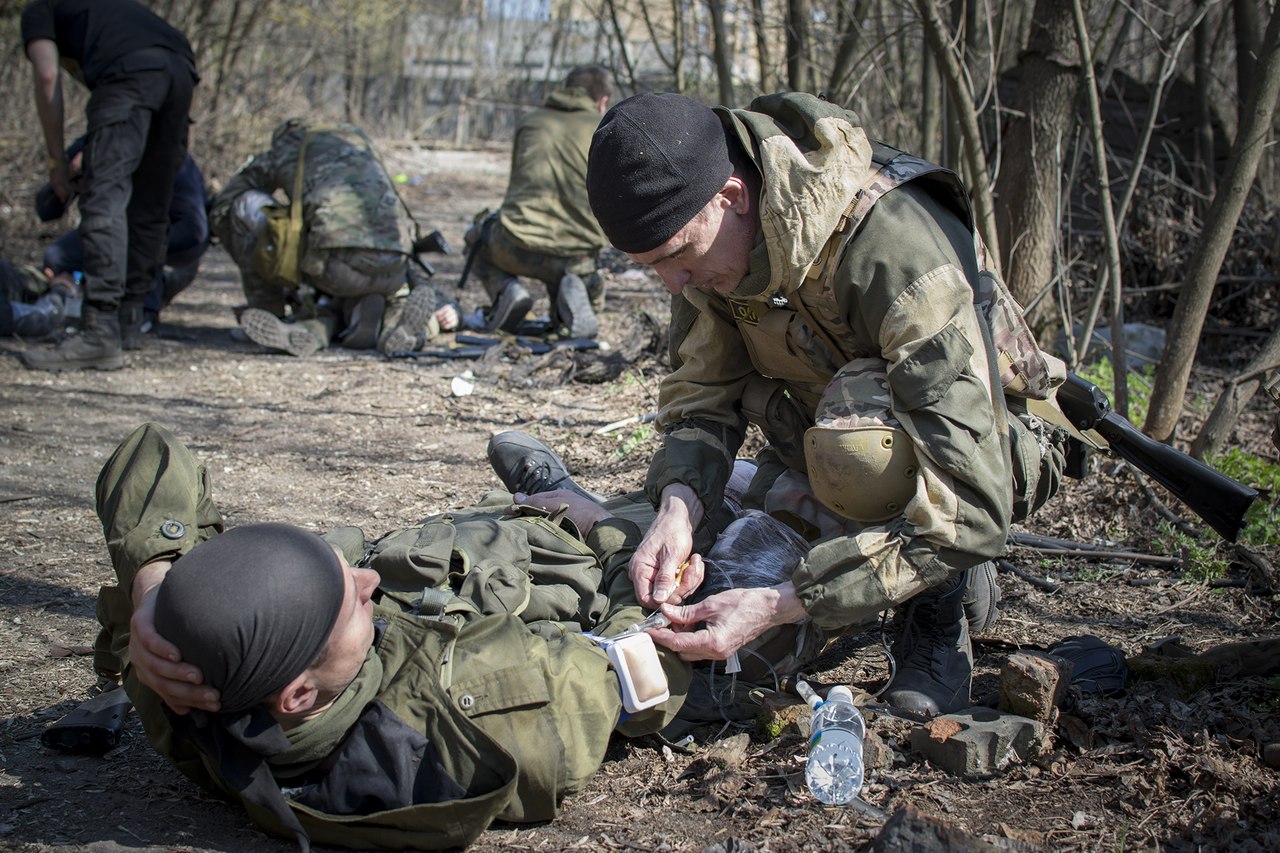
[840, 692]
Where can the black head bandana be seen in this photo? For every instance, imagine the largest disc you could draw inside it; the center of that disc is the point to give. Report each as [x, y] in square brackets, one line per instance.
[252, 607]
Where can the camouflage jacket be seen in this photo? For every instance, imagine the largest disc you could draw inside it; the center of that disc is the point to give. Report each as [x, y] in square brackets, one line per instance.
[901, 290]
[546, 208]
[348, 199]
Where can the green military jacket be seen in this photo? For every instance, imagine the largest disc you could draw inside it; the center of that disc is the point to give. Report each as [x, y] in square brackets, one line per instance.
[899, 288]
[479, 672]
[348, 199]
[546, 208]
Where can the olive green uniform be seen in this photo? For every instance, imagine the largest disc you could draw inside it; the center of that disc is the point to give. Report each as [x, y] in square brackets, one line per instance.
[545, 228]
[518, 714]
[829, 284]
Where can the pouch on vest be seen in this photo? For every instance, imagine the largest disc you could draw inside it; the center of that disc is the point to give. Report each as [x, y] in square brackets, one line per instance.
[278, 253]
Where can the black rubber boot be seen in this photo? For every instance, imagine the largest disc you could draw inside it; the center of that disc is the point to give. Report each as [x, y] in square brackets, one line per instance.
[932, 655]
[525, 464]
[981, 597]
[509, 309]
[574, 317]
[96, 347]
[365, 325]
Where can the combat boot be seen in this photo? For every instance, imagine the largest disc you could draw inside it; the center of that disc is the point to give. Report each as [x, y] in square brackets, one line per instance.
[365, 325]
[97, 346]
[268, 330]
[131, 317]
[595, 290]
[932, 656]
[411, 330]
[509, 309]
[981, 597]
[574, 316]
[525, 464]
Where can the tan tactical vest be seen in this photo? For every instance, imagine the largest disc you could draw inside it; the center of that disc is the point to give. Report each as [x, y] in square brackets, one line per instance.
[829, 343]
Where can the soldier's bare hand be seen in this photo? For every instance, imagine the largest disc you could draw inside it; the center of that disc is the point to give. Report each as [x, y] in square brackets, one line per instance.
[157, 663]
[666, 547]
[729, 621]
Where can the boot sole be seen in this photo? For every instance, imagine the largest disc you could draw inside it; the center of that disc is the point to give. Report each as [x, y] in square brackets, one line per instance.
[418, 308]
[574, 299]
[268, 330]
[110, 363]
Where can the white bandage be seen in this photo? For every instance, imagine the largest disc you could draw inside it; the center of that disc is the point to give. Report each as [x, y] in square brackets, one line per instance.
[640, 673]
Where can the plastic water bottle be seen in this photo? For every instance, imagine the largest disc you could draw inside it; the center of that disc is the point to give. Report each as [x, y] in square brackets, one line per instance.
[834, 769]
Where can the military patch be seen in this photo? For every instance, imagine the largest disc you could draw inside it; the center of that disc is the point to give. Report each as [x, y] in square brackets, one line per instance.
[745, 312]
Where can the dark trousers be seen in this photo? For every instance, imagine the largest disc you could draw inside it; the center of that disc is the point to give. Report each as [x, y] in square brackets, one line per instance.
[137, 139]
[188, 240]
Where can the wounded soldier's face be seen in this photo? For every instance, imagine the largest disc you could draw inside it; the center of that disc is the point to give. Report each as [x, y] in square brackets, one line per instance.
[352, 633]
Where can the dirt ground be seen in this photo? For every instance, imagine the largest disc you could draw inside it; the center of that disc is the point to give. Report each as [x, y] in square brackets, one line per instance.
[351, 438]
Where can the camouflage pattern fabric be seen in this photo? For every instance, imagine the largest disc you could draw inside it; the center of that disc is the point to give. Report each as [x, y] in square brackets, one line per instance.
[357, 231]
[806, 309]
[21, 282]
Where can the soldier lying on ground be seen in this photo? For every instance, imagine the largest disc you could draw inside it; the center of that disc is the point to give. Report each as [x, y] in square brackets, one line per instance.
[354, 249]
[400, 693]
[33, 303]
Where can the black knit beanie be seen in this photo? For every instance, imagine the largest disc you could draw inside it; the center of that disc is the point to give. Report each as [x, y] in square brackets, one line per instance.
[655, 161]
[252, 607]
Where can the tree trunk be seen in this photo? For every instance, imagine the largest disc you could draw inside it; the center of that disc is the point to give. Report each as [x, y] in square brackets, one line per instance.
[1204, 165]
[849, 38]
[798, 46]
[1111, 236]
[1235, 397]
[762, 44]
[1202, 271]
[980, 185]
[720, 48]
[1248, 25]
[930, 107]
[1029, 186]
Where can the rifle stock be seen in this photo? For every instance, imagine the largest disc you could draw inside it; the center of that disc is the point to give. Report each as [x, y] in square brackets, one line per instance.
[1212, 495]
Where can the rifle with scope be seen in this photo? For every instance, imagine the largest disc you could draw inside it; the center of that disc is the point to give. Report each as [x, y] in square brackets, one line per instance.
[1212, 495]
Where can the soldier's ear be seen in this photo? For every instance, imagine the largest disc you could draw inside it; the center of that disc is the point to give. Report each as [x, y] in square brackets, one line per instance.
[737, 195]
[297, 697]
